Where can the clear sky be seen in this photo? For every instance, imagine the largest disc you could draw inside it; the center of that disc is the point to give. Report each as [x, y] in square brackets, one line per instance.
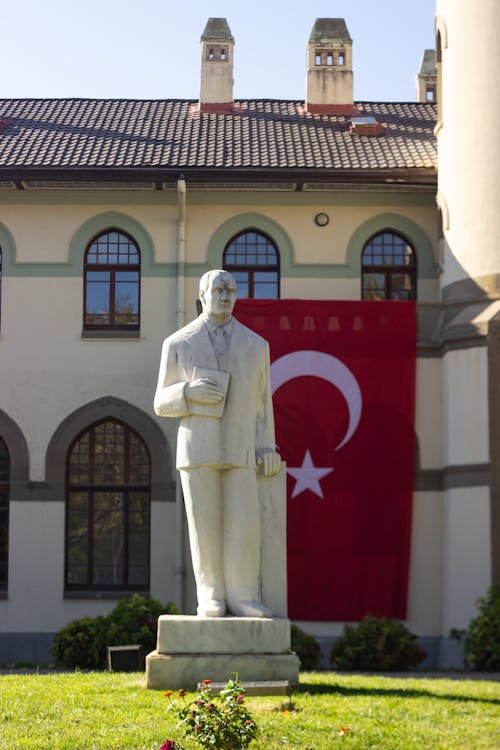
[143, 49]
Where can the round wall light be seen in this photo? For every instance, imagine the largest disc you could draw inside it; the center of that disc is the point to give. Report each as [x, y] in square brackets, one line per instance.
[321, 219]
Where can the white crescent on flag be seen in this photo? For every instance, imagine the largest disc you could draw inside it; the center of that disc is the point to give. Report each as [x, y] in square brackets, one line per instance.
[327, 367]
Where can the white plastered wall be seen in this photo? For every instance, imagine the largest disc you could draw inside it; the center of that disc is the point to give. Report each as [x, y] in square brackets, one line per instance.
[36, 601]
[468, 143]
[465, 413]
[467, 541]
[426, 559]
[467, 554]
[47, 234]
[426, 565]
[429, 412]
[311, 243]
[48, 371]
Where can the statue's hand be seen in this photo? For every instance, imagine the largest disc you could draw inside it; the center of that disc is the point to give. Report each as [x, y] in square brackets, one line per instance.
[203, 391]
[269, 462]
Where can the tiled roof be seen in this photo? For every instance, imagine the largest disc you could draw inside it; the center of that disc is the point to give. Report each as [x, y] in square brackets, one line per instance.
[330, 29]
[428, 66]
[172, 134]
[217, 28]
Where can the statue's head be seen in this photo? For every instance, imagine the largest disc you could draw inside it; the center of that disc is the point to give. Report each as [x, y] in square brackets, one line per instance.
[218, 295]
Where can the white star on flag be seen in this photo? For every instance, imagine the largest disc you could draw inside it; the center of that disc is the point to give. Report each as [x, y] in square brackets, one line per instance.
[307, 476]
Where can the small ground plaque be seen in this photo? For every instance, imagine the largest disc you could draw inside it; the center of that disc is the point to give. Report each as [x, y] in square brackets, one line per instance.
[269, 687]
[125, 659]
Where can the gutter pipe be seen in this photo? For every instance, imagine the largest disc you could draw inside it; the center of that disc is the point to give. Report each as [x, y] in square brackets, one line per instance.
[179, 569]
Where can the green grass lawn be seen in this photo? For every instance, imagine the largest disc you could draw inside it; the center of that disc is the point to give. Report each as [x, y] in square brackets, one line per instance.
[101, 711]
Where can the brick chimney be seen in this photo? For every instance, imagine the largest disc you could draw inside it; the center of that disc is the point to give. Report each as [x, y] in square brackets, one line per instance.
[329, 88]
[216, 89]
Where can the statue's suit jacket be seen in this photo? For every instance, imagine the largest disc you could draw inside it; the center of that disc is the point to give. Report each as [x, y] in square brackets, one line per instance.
[247, 422]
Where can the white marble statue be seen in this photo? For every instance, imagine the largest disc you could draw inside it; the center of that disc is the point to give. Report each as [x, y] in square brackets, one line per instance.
[214, 376]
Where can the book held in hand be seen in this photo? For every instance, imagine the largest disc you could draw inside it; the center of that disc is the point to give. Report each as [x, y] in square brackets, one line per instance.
[222, 379]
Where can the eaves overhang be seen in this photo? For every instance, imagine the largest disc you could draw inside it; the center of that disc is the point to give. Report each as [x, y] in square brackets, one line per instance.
[145, 178]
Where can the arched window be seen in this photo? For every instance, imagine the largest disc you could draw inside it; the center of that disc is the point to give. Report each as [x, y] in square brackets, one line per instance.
[108, 509]
[4, 514]
[253, 259]
[389, 268]
[112, 282]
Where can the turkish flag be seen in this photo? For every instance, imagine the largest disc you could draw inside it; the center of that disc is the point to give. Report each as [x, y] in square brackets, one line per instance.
[343, 379]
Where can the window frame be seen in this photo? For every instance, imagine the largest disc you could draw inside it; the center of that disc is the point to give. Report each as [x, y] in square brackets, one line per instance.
[92, 488]
[112, 269]
[4, 512]
[389, 270]
[253, 268]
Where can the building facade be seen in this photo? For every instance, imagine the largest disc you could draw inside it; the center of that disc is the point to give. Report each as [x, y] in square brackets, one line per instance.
[110, 211]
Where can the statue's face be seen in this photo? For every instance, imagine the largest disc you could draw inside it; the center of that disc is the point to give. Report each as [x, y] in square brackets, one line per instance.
[220, 296]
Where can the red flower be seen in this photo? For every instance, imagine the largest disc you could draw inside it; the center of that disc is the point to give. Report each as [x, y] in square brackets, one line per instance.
[167, 695]
[182, 693]
[240, 698]
[206, 682]
[168, 745]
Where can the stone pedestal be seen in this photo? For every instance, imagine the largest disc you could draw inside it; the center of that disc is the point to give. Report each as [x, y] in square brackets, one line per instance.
[191, 649]
[272, 499]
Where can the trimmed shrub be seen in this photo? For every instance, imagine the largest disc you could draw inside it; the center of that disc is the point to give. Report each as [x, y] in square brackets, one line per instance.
[306, 647]
[82, 643]
[376, 644]
[134, 621]
[482, 638]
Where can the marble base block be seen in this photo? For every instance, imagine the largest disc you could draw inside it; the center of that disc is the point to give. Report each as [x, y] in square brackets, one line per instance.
[179, 634]
[191, 649]
[164, 672]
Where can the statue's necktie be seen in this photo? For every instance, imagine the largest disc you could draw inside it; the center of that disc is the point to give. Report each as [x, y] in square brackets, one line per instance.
[220, 341]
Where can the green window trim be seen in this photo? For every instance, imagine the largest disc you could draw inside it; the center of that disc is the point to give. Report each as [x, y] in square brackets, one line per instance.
[427, 268]
[242, 223]
[78, 246]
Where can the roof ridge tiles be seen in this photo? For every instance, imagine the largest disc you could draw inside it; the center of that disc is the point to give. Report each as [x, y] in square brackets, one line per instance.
[192, 100]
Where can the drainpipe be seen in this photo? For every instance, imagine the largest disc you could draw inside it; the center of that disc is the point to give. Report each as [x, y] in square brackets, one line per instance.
[179, 570]
[181, 249]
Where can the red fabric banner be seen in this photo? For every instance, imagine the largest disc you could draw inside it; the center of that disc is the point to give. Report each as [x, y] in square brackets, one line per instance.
[343, 377]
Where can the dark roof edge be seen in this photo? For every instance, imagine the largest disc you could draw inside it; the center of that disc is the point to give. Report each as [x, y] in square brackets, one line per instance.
[405, 176]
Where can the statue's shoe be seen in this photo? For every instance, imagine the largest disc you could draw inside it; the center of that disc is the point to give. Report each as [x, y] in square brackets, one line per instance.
[212, 608]
[250, 609]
